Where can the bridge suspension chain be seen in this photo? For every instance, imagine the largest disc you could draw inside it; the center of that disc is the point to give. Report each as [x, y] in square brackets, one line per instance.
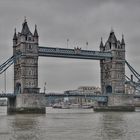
[135, 84]
[8, 63]
[136, 74]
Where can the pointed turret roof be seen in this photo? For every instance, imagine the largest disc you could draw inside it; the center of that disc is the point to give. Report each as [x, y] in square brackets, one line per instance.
[123, 42]
[101, 44]
[25, 29]
[15, 35]
[112, 38]
[35, 32]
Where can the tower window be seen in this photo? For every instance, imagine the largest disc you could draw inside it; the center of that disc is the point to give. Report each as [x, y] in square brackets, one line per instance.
[29, 72]
[30, 47]
[110, 45]
[29, 38]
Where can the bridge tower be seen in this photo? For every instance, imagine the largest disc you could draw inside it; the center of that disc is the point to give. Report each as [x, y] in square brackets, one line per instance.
[26, 67]
[113, 70]
[26, 72]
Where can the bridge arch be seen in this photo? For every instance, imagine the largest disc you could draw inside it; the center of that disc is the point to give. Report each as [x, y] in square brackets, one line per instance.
[108, 89]
[18, 88]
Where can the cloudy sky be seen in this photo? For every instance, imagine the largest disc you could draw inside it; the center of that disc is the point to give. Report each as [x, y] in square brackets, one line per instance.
[77, 20]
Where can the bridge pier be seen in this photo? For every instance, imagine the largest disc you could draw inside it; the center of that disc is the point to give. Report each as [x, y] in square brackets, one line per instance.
[118, 102]
[27, 103]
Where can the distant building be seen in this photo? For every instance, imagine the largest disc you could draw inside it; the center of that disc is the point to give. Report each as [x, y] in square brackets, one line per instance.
[89, 90]
[85, 90]
[129, 89]
[3, 102]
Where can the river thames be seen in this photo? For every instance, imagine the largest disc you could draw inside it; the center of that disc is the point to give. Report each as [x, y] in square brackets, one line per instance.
[70, 124]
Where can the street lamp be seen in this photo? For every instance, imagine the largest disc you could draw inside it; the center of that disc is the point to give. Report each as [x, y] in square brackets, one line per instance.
[44, 87]
[67, 42]
[5, 82]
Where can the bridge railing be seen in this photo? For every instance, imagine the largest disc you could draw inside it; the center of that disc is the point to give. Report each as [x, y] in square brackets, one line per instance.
[135, 84]
[4, 66]
[73, 53]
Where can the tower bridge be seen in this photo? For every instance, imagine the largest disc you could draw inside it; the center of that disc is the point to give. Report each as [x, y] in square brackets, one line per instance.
[75, 53]
[26, 51]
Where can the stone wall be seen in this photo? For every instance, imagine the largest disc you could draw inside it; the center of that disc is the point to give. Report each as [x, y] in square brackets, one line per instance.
[113, 70]
[120, 100]
[27, 103]
[30, 100]
[137, 102]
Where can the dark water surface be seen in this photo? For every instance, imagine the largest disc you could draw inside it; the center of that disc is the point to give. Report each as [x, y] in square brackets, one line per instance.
[68, 124]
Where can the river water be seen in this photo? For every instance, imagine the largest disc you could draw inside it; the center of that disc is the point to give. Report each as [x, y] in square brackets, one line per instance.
[70, 124]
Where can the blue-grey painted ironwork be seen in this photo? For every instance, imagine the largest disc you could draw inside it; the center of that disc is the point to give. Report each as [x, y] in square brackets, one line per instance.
[77, 53]
[9, 62]
[135, 73]
[99, 98]
[136, 96]
[134, 84]
[7, 95]
[102, 98]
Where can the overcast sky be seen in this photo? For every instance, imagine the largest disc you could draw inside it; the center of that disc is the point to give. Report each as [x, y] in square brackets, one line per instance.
[77, 20]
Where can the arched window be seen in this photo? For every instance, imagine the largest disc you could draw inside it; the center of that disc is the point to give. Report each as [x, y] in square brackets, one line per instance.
[29, 72]
[29, 38]
[18, 88]
[30, 47]
[108, 89]
[25, 37]
[110, 45]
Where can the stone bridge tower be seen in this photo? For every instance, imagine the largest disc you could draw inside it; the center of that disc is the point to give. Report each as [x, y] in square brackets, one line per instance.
[26, 67]
[113, 70]
[28, 99]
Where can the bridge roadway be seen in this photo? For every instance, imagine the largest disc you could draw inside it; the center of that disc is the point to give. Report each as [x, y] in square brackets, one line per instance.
[56, 95]
[102, 98]
[61, 95]
[76, 53]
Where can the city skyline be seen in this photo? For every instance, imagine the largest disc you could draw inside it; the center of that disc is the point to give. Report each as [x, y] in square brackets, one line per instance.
[70, 24]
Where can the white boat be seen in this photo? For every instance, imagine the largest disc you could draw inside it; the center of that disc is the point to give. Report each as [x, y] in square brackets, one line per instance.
[65, 105]
[57, 105]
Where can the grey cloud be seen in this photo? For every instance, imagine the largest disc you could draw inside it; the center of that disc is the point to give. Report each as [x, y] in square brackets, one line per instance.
[78, 20]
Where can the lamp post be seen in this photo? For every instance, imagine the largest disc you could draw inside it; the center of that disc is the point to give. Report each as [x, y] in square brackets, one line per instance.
[86, 45]
[44, 87]
[67, 42]
[5, 82]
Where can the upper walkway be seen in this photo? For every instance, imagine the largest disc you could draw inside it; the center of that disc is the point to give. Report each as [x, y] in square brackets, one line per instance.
[76, 53]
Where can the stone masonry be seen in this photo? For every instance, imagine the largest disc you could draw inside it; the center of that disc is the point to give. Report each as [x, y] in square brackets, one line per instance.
[113, 70]
[26, 66]
[28, 99]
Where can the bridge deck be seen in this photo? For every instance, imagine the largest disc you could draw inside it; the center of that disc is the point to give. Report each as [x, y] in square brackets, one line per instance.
[75, 95]
[7, 95]
[76, 53]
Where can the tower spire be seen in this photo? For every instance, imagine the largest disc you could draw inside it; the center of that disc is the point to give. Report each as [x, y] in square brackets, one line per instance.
[112, 30]
[25, 29]
[35, 32]
[101, 44]
[25, 20]
[112, 38]
[123, 42]
[15, 35]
